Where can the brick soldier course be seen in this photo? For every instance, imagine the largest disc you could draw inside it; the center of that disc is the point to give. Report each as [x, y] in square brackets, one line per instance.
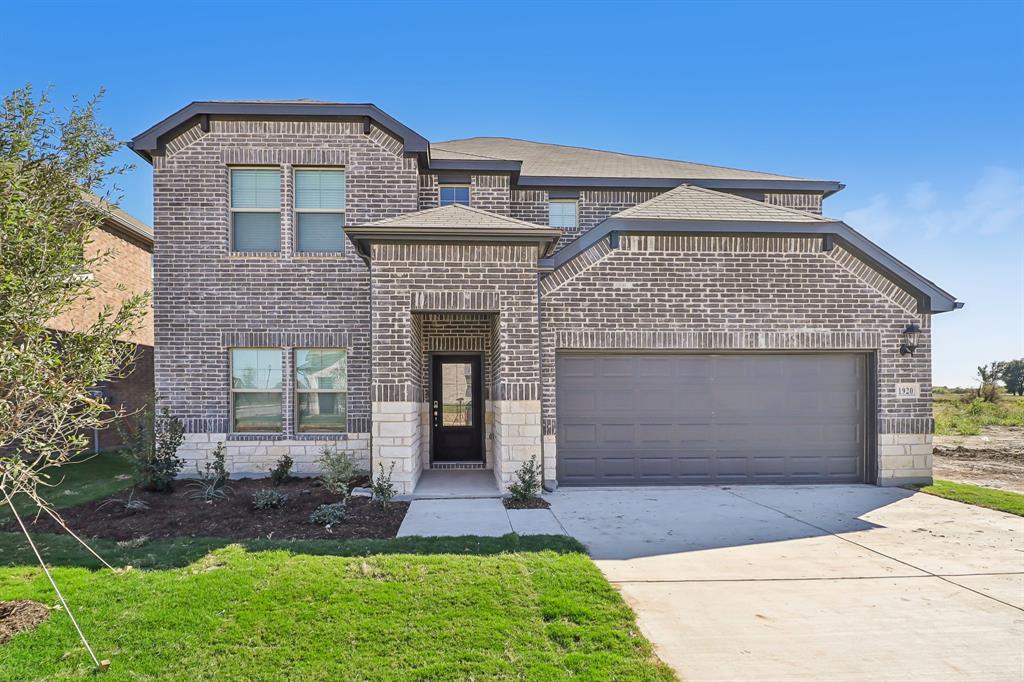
[663, 256]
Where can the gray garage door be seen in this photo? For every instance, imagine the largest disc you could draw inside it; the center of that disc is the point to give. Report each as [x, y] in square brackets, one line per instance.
[671, 419]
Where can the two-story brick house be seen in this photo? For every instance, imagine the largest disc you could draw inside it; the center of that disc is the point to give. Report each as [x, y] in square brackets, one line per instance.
[326, 275]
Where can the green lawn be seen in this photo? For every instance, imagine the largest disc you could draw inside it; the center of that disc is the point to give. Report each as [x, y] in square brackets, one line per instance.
[533, 608]
[1001, 500]
[957, 415]
[85, 478]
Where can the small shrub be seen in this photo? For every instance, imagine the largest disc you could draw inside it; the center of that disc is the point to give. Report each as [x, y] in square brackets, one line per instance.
[268, 498]
[338, 471]
[128, 504]
[152, 439]
[527, 483]
[329, 514]
[282, 473]
[383, 490]
[216, 469]
[213, 479]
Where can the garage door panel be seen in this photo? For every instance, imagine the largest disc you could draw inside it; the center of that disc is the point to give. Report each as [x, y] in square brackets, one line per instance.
[635, 419]
[580, 434]
[616, 401]
[764, 465]
[579, 399]
[655, 435]
[612, 367]
[655, 399]
[619, 434]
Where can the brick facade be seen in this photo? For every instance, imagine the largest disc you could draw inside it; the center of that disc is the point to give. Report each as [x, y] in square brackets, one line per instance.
[482, 294]
[208, 299]
[469, 333]
[127, 272]
[652, 292]
[684, 292]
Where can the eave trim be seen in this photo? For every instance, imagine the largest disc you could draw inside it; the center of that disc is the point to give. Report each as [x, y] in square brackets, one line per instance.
[828, 187]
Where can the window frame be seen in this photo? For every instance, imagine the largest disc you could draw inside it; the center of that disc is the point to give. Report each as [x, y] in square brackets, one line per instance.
[576, 213]
[232, 210]
[327, 211]
[232, 390]
[297, 422]
[455, 185]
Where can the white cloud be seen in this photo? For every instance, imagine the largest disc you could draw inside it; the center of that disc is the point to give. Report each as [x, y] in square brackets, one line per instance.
[921, 196]
[875, 220]
[994, 204]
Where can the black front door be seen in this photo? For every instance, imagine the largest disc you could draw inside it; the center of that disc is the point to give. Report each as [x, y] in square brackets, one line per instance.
[457, 409]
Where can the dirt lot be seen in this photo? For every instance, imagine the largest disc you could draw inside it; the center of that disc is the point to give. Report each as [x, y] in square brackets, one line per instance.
[994, 459]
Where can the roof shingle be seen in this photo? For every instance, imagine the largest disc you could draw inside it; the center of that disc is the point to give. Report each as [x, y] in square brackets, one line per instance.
[540, 159]
[687, 202]
[454, 216]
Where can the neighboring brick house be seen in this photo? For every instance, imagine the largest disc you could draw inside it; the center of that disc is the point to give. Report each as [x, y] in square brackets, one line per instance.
[127, 272]
[327, 276]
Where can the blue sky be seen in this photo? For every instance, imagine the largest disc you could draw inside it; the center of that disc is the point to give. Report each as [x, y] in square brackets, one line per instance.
[916, 107]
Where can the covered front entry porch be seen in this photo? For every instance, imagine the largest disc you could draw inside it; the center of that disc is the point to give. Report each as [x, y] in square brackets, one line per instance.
[455, 344]
[463, 423]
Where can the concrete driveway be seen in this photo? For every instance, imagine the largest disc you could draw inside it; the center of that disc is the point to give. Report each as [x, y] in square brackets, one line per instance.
[811, 582]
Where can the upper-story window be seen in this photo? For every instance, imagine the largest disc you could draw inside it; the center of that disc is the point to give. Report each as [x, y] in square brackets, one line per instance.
[319, 209]
[256, 389]
[562, 213]
[255, 209]
[454, 194]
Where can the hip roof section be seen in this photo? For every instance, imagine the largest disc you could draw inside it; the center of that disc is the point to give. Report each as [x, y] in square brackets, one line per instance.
[542, 159]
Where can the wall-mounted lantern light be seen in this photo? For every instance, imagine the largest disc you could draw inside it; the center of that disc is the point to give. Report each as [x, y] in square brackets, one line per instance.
[911, 336]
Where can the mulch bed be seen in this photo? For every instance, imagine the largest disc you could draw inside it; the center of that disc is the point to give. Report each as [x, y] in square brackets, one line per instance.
[21, 615]
[175, 514]
[534, 503]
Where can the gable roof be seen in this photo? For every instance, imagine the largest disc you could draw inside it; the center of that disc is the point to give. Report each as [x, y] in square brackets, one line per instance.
[702, 211]
[542, 159]
[456, 216]
[687, 202]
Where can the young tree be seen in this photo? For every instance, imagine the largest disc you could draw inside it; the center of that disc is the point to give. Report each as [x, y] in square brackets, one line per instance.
[990, 375]
[49, 163]
[1013, 377]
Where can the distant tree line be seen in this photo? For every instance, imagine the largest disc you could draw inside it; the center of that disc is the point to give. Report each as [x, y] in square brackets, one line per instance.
[1010, 373]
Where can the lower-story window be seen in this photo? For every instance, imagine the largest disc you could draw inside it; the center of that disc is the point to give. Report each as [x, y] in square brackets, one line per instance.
[256, 389]
[321, 389]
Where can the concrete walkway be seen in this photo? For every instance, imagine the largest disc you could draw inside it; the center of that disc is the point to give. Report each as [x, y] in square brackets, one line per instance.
[811, 582]
[440, 484]
[475, 516]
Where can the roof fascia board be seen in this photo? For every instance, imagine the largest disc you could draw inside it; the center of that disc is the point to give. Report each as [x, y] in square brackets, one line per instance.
[462, 233]
[475, 165]
[545, 241]
[120, 221]
[148, 142]
[128, 230]
[826, 186]
[937, 300]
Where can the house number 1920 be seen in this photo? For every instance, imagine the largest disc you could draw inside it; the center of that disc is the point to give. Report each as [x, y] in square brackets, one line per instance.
[908, 390]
